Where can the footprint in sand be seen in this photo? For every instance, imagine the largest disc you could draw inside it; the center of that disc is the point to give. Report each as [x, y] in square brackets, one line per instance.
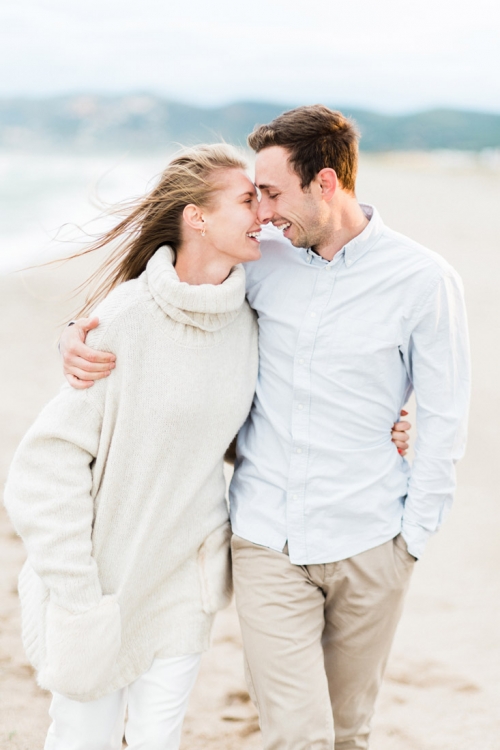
[431, 675]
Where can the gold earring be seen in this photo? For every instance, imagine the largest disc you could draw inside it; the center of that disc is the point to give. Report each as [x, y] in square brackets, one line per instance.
[203, 230]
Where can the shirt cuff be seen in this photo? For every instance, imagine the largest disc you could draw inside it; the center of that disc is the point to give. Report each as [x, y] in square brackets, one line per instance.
[415, 537]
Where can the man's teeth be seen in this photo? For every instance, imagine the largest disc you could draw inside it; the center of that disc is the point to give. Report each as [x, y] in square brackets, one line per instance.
[283, 227]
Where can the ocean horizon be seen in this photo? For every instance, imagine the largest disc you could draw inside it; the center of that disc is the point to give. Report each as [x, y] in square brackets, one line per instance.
[49, 200]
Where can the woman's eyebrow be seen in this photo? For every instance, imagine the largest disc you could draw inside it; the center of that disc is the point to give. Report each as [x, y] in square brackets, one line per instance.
[248, 192]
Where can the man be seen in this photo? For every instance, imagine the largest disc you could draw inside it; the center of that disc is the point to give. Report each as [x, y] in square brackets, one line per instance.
[327, 518]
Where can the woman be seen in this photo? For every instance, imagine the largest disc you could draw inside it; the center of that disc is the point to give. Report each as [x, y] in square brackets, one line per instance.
[118, 491]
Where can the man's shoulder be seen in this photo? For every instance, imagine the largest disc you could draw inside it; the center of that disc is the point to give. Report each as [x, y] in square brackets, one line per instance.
[421, 258]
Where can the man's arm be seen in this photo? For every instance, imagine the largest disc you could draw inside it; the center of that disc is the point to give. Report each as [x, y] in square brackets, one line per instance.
[437, 358]
[81, 364]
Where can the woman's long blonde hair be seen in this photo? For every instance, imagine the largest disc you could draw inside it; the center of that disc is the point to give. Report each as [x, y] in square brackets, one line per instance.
[156, 218]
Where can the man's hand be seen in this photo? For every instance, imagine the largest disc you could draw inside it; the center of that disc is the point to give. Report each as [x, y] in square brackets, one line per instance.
[81, 364]
[400, 437]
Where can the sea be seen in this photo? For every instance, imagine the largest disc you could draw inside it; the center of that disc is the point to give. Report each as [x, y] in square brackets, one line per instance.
[48, 201]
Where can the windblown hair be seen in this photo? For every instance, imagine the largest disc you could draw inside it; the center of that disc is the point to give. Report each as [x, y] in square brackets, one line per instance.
[156, 218]
[316, 137]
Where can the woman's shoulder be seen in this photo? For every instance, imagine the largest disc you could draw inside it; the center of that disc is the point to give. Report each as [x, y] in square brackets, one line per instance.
[245, 323]
[248, 315]
[120, 305]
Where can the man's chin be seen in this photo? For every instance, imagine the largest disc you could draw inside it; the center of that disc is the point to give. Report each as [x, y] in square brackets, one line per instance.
[294, 239]
[299, 242]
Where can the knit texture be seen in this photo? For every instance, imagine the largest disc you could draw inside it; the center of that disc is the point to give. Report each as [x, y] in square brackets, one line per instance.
[118, 491]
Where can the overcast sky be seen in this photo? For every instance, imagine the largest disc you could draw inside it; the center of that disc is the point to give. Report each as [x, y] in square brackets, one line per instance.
[388, 55]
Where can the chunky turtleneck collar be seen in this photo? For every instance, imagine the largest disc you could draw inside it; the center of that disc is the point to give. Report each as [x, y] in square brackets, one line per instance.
[205, 307]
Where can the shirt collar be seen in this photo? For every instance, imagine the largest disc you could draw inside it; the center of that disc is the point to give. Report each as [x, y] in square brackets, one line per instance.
[358, 246]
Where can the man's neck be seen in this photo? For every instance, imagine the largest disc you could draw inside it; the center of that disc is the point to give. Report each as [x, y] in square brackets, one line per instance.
[348, 221]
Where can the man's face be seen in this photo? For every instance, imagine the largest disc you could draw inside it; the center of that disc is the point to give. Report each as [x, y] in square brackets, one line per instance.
[299, 213]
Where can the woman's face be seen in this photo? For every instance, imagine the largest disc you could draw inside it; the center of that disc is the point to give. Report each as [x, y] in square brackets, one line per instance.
[231, 225]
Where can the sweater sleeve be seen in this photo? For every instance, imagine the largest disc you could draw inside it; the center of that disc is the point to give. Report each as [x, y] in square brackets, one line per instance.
[49, 498]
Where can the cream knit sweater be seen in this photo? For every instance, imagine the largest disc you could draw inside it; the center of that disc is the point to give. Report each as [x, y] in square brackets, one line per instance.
[118, 491]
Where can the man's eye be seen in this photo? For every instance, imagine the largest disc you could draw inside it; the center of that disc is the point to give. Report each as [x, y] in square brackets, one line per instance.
[274, 196]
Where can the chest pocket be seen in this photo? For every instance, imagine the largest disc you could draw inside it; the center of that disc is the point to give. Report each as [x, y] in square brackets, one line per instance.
[362, 353]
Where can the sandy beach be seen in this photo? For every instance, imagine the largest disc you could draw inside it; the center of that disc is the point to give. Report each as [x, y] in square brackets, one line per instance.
[442, 687]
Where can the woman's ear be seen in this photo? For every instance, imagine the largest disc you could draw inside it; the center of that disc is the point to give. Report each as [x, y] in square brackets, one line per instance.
[193, 216]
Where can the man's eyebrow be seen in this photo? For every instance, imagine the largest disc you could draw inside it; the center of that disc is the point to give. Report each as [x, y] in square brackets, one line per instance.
[266, 187]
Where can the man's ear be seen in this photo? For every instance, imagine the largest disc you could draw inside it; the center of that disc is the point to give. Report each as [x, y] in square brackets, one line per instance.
[328, 183]
[193, 216]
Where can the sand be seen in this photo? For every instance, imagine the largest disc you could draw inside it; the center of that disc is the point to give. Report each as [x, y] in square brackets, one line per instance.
[441, 689]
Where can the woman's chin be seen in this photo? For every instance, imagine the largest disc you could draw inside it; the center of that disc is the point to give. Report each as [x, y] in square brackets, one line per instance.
[254, 255]
[251, 251]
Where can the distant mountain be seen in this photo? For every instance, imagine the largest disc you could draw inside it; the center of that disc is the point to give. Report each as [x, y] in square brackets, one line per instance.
[144, 123]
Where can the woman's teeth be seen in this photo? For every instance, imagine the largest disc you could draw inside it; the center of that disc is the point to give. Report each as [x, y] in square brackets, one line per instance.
[254, 235]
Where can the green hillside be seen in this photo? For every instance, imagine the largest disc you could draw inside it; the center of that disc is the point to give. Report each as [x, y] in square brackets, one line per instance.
[144, 122]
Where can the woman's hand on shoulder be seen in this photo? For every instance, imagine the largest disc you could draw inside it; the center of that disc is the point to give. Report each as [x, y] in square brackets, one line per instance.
[81, 364]
[400, 436]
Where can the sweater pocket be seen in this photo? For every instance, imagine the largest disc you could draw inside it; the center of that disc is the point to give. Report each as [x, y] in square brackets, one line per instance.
[81, 648]
[214, 566]
[34, 597]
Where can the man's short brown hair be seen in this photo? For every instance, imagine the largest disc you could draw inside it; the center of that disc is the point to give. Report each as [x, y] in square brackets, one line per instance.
[316, 137]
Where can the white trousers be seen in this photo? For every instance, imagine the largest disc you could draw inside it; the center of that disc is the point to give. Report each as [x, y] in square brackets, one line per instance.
[156, 703]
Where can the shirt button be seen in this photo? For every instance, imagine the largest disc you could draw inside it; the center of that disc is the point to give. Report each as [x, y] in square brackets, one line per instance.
[298, 450]
[313, 315]
[295, 497]
[301, 361]
[300, 406]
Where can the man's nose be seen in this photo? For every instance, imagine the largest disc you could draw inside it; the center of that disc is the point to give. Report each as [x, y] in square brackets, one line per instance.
[265, 212]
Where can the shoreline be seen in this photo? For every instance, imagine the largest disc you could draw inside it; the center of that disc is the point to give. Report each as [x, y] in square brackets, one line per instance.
[54, 193]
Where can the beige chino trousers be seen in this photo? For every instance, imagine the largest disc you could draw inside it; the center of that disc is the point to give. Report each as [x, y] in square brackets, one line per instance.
[316, 640]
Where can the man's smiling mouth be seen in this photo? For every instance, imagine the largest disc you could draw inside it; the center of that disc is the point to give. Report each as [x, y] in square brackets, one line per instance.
[283, 226]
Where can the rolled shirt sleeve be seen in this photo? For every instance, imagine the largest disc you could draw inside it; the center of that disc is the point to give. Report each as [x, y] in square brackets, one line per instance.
[438, 363]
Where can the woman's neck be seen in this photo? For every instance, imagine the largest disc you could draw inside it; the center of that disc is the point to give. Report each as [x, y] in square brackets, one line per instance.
[196, 264]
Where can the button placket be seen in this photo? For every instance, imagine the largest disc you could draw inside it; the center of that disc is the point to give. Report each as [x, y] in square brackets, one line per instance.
[300, 417]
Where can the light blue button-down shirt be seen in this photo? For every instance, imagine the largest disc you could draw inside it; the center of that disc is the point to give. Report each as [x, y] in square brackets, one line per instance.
[342, 344]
